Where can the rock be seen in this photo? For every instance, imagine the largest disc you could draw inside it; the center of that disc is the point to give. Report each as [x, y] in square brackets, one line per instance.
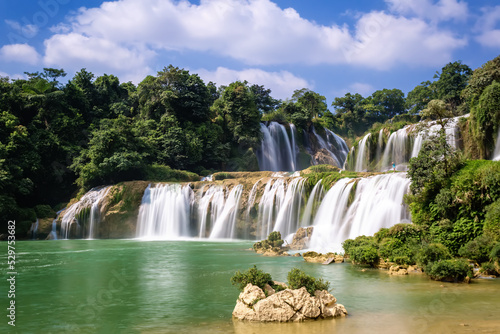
[398, 270]
[287, 305]
[415, 270]
[314, 257]
[251, 293]
[301, 238]
[269, 290]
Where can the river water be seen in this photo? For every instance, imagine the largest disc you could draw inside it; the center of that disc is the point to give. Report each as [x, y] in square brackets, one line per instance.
[130, 286]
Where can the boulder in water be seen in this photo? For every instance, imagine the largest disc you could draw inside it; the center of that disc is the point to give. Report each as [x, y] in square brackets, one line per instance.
[286, 306]
[301, 238]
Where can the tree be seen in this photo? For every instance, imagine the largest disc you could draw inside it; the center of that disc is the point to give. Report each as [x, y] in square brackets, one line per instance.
[238, 115]
[263, 100]
[313, 103]
[451, 81]
[115, 153]
[420, 96]
[391, 101]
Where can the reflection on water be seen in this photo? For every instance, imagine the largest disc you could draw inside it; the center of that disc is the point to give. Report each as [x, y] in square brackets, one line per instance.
[129, 286]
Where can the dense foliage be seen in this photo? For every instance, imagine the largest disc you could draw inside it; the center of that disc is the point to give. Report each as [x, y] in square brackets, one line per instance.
[253, 276]
[298, 279]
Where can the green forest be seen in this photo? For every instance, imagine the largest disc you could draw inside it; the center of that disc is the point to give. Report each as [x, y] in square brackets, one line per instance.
[61, 137]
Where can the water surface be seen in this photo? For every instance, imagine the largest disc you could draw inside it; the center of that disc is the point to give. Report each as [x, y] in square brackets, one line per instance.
[130, 286]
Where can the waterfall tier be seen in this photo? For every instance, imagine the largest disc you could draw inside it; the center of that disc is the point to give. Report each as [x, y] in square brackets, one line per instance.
[82, 217]
[379, 154]
[282, 147]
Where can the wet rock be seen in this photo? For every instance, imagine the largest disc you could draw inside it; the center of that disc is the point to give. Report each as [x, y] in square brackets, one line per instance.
[398, 270]
[301, 238]
[321, 258]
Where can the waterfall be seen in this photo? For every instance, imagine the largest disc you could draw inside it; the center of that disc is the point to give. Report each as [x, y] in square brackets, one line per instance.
[279, 207]
[34, 229]
[396, 150]
[53, 233]
[377, 203]
[276, 152]
[361, 158]
[165, 212]
[496, 153]
[86, 210]
[225, 225]
[210, 206]
[315, 197]
[334, 145]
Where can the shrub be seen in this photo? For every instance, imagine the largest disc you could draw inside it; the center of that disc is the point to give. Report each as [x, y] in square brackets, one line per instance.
[478, 249]
[432, 253]
[495, 252]
[252, 275]
[365, 254]
[492, 221]
[297, 279]
[362, 240]
[455, 270]
[488, 268]
[274, 238]
[44, 211]
[405, 232]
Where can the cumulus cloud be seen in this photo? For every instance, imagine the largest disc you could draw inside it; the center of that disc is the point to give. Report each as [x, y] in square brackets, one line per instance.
[21, 53]
[282, 83]
[488, 27]
[99, 54]
[442, 10]
[12, 76]
[255, 32]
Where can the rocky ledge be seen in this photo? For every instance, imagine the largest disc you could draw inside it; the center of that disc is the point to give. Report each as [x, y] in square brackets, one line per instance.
[322, 258]
[285, 306]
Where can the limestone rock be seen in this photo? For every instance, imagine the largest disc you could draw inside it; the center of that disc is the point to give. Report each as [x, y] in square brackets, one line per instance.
[287, 305]
[301, 238]
[251, 293]
[397, 270]
[320, 258]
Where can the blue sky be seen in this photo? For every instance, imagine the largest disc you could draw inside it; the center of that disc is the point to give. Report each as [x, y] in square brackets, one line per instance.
[331, 47]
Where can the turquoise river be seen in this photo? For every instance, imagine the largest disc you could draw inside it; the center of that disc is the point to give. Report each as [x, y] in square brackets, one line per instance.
[130, 286]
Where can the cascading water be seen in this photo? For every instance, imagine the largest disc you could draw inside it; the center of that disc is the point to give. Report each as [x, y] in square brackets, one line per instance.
[210, 206]
[496, 153]
[279, 207]
[377, 203]
[334, 146]
[165, 212]
[361, 157]
[315, 197]
[276, 153]
[402, 145]
[77, 213]
[225, 225]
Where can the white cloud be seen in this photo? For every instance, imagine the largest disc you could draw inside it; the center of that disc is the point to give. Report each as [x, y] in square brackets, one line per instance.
[73, 51]
[442, 10]
[12, 76]
[282, 84]
[361, 88]
[385, 41]
[255, 32]
[489, 34]
[21, 53]
[28, 30]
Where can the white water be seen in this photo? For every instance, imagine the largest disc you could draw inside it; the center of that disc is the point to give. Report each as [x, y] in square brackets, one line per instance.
[279, 207]
[361, 158]
[496, 153]
[315, 197]
[225, 225]
[276, 153]
[165, 212]
[334, 145]
[91, 200]
[377, 203]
